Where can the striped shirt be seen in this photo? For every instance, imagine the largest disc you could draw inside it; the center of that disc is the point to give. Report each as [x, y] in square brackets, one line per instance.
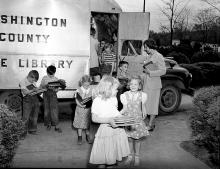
[108, 58]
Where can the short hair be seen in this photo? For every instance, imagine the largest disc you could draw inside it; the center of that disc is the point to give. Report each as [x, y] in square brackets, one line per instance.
[51, 69]
[122, 62]
[84, 79]
[105, 86]
[150, 43]
[138, 78]
[108, 45]
[34, 74]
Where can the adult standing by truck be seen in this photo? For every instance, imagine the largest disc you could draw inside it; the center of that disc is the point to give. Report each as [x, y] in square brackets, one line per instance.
[154, 68]
[94, 58]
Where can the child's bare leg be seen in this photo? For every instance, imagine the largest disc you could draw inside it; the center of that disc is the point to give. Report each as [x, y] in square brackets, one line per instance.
[87, 131]
[88, 137]
[79, 136]
[79, 132]
[137, 145]
[130, 156]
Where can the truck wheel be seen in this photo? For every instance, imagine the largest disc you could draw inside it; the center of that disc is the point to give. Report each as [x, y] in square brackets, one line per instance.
[12, 99]
[170, 99]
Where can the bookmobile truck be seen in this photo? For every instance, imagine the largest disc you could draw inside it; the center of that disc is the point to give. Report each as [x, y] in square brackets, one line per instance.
[37, 33]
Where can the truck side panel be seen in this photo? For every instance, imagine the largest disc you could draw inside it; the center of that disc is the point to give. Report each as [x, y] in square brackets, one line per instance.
[35, 34]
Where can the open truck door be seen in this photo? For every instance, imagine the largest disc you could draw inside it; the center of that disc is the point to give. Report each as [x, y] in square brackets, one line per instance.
[133, 31]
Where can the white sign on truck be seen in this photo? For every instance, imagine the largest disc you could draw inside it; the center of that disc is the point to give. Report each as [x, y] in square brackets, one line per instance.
[36, 34]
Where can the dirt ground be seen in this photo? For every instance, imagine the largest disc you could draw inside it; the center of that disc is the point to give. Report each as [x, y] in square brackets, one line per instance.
[161, 150]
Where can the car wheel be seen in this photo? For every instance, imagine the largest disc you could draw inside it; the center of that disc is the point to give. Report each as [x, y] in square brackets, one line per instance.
[170, 99]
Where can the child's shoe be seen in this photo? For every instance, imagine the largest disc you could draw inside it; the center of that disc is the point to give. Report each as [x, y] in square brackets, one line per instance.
[48, 127]
[57, 129]
[79, 140]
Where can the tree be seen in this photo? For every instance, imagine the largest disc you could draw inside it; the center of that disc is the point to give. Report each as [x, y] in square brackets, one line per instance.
[173, 10]
[213, 3]
[205, 23]
[183, 26]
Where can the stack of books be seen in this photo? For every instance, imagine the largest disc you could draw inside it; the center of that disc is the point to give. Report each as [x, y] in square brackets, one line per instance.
[126, 121]
[59, 83]
[150, 65]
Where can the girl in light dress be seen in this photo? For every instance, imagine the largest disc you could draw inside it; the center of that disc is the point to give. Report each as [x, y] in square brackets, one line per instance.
[111, 142]
[134, 102]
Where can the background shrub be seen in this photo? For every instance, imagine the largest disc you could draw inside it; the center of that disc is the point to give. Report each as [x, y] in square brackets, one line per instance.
[205, 120]
[185, 48]
[179, 57]
[204, 73]
[207, 56]
[11, 128]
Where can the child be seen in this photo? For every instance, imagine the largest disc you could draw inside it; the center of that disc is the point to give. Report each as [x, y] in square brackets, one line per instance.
[133, 105]
[30, 102]
[123, 78]
[108, 57]
[50, 100]
[123, 68]
[100, 50]
[111, 142]
[82, 113]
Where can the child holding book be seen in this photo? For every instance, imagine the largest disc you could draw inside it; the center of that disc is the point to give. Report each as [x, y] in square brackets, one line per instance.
[82, 117]
[111, 142]
[50, 100]
[30, 102]
[134, 102]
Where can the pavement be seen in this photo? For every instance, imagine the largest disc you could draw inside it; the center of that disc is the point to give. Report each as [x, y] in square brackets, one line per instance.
[161, 150]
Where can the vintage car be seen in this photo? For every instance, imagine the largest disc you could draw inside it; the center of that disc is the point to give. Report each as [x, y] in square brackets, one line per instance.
[175, 82]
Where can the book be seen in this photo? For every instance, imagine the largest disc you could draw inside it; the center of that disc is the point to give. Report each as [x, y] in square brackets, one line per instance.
[30, 87]
[59, 83]
[37, 92]
[147, 63]
[150, 65]
[86, 101]
[126, 121]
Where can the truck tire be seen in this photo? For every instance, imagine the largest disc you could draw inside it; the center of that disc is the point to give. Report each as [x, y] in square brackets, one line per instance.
[170, 99]
[12, 99]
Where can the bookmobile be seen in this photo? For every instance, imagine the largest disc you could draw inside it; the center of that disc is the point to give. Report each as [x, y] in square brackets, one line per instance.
[37, 33]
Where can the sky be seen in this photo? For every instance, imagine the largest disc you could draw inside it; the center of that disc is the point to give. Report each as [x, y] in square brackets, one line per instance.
[153, 6]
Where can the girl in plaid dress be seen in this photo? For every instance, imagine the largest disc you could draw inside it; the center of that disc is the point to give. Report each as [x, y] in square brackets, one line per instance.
[82, 117]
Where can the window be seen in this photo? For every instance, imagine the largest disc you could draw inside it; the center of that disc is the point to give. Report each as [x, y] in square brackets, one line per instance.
[131, 47]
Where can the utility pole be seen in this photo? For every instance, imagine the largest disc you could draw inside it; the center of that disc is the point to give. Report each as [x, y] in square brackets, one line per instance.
[144, 6]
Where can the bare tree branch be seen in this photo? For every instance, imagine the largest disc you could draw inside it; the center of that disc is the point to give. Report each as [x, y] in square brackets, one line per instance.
[213, 4]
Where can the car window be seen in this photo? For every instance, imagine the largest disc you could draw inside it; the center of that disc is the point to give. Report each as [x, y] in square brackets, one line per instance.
[131, 47]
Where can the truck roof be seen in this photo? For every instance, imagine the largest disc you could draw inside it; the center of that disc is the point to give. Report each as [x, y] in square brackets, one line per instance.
[106, 6]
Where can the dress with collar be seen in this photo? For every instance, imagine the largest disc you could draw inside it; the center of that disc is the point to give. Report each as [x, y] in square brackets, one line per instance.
[82, 117]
